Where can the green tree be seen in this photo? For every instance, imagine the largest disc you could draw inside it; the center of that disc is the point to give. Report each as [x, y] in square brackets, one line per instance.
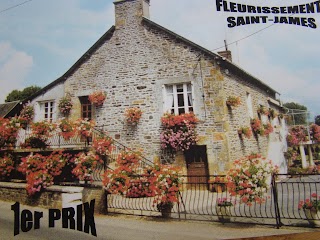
[298, 113]
[17, 95]
[317, 120]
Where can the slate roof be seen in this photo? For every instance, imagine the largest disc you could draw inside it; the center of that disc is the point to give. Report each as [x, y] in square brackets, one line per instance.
[7, 108]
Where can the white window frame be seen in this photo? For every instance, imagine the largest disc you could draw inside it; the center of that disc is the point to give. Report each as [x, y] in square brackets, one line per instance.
[185, 92]
[46, 110]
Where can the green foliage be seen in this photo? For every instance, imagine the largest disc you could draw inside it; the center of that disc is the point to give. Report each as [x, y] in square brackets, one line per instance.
[297, 119]
[17, 95]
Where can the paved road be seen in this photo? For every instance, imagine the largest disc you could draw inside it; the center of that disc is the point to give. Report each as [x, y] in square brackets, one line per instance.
[130, 227]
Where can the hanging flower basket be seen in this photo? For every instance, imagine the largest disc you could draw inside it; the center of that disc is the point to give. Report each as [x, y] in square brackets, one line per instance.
[257, 127]
[133, 115]
[97, 98]
[65, 105]
[233, 101]
[245, 131]
[263, 110]
[273, 113]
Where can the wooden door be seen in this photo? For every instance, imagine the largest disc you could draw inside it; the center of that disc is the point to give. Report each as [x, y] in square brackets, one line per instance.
[197, 166]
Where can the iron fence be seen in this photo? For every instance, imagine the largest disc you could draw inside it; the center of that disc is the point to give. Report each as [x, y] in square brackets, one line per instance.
[199, 200]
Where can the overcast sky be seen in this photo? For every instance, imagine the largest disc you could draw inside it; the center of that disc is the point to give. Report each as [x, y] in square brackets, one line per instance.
[41, 39]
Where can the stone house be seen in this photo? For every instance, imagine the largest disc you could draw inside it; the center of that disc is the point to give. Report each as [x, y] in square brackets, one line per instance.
[139, 63]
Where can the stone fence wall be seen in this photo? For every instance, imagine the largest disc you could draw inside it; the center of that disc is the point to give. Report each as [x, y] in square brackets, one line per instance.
[54, 196]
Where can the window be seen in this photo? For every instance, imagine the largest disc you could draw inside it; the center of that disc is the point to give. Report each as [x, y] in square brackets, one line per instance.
[249, 105]
[86, 107]
[47, 109]
[178, 98]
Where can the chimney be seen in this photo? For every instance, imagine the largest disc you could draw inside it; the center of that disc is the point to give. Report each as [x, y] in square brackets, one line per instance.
[130, 11]
[226, 54]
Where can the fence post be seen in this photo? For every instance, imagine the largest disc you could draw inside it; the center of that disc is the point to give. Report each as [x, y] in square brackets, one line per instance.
[275, 198]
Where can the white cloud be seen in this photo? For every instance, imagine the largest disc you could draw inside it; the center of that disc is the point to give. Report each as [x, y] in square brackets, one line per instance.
[14, 67]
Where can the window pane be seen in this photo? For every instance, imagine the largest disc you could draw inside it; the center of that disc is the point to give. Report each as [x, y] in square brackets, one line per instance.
[181, 111]
[189, 87]
[180, 100]
[180, 88]
[169, 89]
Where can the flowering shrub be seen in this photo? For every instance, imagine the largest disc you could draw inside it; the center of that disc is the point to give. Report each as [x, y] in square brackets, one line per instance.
[41, 170]
[8, 131]
[166, 182]
[26, 114]
[85, 163]
[97, 98]
[179, 132]
[248, 178]
[67, 129]
[312, 204]
[103, 145]
[133, 115]
[263, 110]
[161, 182]
[85, 127]
[65, 105]
[123, 179]
[296, 135]
[233, 101]
[42, 129]
[246, 131]
[6, 166]
[315, 132]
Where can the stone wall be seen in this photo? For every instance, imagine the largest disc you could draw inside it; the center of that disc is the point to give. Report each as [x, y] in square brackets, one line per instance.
[54, 196]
